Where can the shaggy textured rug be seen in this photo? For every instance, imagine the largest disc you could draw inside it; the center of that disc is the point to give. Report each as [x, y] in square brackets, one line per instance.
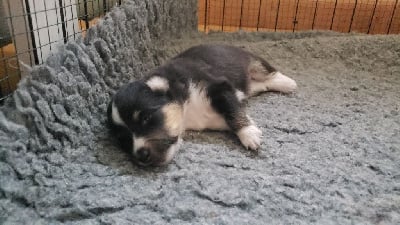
[330, 152]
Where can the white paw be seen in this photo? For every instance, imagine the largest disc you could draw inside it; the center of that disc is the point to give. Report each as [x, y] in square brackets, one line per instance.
[250, 136]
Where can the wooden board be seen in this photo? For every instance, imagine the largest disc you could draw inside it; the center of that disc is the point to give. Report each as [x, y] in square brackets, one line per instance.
[365, 16]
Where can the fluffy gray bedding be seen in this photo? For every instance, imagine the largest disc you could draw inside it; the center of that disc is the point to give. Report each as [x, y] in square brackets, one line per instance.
[330, 152]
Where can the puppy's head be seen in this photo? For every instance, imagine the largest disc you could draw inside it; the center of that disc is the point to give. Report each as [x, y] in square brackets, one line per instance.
[146, 123]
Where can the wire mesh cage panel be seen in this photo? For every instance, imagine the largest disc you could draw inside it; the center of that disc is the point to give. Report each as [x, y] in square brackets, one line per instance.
[31, 29]
[364, 16]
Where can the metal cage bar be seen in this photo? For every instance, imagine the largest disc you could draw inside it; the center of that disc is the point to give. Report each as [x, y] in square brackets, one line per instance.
[35, 27]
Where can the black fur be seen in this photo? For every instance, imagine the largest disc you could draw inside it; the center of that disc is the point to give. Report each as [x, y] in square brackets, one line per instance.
[209, 63]
[121, 133]
[225, 102]
[138, 96]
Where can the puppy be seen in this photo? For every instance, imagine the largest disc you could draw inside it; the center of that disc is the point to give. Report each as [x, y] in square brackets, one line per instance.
[201, 88]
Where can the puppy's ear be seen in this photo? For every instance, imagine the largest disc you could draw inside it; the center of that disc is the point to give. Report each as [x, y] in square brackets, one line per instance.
[175, 88]
[158, 84]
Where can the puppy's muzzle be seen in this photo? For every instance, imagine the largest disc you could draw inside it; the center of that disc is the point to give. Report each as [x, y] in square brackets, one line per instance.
[143, 155]
[156, 152]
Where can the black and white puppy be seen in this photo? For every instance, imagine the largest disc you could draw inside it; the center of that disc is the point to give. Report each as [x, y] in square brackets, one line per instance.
[201, 88]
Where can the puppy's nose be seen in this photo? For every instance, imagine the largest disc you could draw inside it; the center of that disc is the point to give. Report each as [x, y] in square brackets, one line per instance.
[143, 155]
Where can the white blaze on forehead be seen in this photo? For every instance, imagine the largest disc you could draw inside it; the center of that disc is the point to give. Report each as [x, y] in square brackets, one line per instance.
[158, 84]
[115, 115]
[138, 143]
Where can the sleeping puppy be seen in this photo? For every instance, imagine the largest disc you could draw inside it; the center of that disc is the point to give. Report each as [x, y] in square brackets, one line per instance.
[201, 88]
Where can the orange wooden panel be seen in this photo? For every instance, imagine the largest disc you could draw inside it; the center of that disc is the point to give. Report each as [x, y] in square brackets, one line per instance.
[201, 10]
[214, 15]
[323, 16]
[286, 14]
[9, 69]
[269, 9]
[373, 16]
[232, 14]
[250, 12]
[362, 16]
[343, 14]
[395, 26]
[305, 14]
[382, 16]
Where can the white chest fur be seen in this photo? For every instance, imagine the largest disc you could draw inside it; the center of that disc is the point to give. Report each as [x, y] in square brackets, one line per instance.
[199, 114]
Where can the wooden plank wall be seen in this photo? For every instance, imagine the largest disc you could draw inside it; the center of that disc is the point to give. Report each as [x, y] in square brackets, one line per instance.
[364, 16]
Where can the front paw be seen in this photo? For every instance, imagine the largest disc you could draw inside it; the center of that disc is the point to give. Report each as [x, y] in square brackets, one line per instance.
[250, 136]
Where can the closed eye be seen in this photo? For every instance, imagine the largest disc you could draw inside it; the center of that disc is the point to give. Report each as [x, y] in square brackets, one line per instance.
[145, 118]
[166, 141]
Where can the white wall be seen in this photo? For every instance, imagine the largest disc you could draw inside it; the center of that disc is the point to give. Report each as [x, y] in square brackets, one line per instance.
[47, 24]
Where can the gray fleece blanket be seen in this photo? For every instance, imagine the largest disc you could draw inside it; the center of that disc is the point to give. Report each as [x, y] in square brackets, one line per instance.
[330, 152]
